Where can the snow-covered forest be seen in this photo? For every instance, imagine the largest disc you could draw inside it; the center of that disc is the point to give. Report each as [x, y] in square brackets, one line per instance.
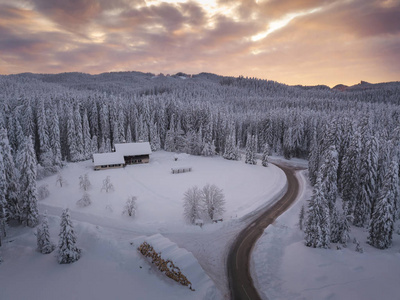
[351, 138]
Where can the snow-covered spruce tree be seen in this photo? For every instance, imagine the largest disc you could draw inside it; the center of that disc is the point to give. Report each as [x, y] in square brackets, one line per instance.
[250, 150]
[130, 206]
[213, 201]
[128, 134]
[79, 133]
[11, 177]
[329, 176]
[192, 205]
[28, 197]
[336, 226]
[87, 146]
[383, 217]
[265, 155]
[73, 153]
[155, 142]
[46, 155]
[350, 171]
[367, 183]
[3, 202]
[313, 159]
[345, 225]
[54, 137]
[84, 201]
[68, 252]
[84, 182]
[44, 244]
[302, 215]
[231, 150]
[317, 231]
[208, 149]
[107, 185]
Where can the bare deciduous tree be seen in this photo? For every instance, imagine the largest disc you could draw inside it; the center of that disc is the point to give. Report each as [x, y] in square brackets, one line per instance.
[192, 205]
[130, 206]
[107, 185]
[84, 182]
[213, 201]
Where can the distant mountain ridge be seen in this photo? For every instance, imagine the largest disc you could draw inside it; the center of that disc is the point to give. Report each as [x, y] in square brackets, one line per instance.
[363, 85]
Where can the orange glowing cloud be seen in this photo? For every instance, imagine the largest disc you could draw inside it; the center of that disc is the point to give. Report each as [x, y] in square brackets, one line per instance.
[295, 42]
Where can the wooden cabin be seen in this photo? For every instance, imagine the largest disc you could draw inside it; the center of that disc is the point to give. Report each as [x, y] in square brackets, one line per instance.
[111, 160]
[124, 154]
[134, 153]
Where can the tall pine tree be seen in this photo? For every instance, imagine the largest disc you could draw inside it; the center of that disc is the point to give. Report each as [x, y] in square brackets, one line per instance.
[68, 252]
[28, 196]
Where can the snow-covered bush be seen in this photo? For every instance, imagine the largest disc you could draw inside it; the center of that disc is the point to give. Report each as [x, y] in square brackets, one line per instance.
[43, 191]
[130, 206]
[60, 180]
[84, 201]
[107, 185]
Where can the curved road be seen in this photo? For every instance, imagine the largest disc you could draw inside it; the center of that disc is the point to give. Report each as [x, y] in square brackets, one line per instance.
[240, 281]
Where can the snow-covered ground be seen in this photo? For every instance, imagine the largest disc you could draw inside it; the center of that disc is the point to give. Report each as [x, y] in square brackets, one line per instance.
[110, 266]
[284, 268]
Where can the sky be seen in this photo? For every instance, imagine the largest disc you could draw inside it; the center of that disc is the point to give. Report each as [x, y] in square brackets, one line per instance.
[291, 41]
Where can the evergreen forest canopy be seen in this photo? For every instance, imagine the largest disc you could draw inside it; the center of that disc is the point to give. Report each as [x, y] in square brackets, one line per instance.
[70, 116]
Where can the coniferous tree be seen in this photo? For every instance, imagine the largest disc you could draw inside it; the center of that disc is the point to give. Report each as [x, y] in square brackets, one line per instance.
[54, 137]
[350, 171]
[87, 146]
[45, 156]
[68, 252]
[79, 133]
[28, 197]
[44, 244]
[128, 134]
[302, 216]
[367, 183]
[317, 231]
[250, 150]
[11, 177]
[155, 142]
[383, 217]
[329, 176]
[345, 225]
[265, 155]
[71, 137]
[313, 159]
[3, 202]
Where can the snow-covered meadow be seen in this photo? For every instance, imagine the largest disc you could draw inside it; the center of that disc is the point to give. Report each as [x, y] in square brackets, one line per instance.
[110, 266]
[284, 268]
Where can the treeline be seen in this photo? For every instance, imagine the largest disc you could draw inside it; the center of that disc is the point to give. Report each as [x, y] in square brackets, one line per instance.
[71, 116]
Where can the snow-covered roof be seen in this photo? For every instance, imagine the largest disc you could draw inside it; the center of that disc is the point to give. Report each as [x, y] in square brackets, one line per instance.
[133, 149]
[112, 158]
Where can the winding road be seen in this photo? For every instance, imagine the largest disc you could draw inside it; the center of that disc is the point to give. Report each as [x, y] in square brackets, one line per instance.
[240, 281]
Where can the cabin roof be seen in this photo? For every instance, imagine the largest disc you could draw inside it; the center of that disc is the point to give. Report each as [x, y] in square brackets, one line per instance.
[133, 149]
[112, 158]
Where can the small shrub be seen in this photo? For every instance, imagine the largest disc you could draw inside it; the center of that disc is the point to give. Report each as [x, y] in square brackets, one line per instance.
[84, 201]
[43, 191]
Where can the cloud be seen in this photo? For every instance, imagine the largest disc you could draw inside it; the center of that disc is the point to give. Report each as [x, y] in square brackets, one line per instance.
[339, 42]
